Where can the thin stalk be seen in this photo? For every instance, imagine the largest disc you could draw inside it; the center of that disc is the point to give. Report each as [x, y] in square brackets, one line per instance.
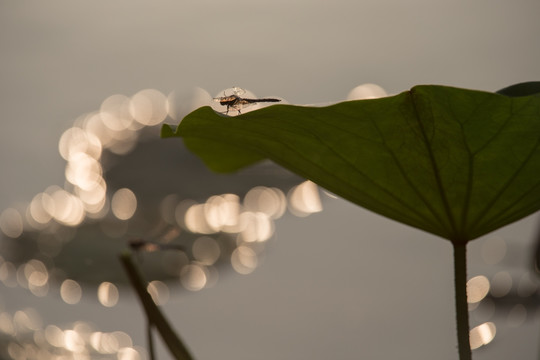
[462, 309]
[150, 340]
[153, 314]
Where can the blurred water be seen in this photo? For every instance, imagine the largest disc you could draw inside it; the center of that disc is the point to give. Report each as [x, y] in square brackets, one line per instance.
[338, 284]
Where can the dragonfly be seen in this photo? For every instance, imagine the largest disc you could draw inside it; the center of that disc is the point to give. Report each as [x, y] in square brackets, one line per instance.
[237, 102]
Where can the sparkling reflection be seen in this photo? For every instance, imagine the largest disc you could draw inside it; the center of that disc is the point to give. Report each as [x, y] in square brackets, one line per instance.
[124, 204]
[181, 103]
[244, 260]
[477, 289]
[67, 208]
[11, 223]
[195, 220]
[482, 335]
[115, 112]
[128, 353]
[6, 323]
[93, 199]
[108, 294]
[149, 107]
[25, 337]
[8, 274]
[70, 291]
[73, 341]
[40, 208]
[270, 201]
[304, 199]
[54, 336]
[509, 297]
[159, 292]
[192, 223]
[193, 277]
[206, 250]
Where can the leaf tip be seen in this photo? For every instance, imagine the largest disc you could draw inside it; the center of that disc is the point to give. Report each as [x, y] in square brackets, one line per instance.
[167, 131]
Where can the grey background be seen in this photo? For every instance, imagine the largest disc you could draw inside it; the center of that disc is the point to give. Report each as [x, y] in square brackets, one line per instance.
[341, 284]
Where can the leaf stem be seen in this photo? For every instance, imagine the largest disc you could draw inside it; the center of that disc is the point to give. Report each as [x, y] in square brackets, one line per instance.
[462, 310]
[150, 340]
[154, 316]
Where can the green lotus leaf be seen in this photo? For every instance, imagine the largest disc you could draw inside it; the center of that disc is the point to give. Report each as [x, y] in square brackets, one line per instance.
[454, 162]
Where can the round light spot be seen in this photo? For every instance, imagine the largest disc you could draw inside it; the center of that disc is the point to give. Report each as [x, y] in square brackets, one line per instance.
[73, 341]
[206, 250]
[115, 112]
[70, 291]
[482, 335]
[108, 294]
[148, 107]
[54, 336]
[11, 223]
[304, 199]
[193, 277]
[159, 292]
[221, 212]
[195, 220]
[128, 353]
[244, 260]
[68, 209]
[270, 201]
[477, 289]
[124, 204]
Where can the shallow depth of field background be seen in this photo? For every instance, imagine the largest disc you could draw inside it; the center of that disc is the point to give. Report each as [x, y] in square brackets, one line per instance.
[342, 283]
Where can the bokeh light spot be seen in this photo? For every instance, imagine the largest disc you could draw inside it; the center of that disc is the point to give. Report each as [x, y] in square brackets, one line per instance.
[159, 292]
[128, 353]
[244, 260]
[74, 341]
[270, 201]
[54, 336]
[304, 199]
[193, 277]
[68, 209]
[195, 220]
[11, 223]
[206, 250]
[148, 107]
[482, 335]
[477, 289]
[108, 294]
[70, 291]
[115, 112]
[124, 204]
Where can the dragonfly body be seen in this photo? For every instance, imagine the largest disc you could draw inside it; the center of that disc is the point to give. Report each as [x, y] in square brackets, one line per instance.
[237, 103]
